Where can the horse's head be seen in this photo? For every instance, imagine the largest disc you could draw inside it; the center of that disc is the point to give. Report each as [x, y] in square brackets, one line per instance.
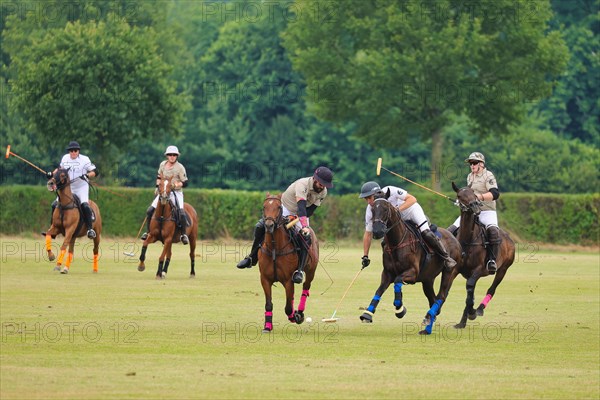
[382, 212]
[272, 212]
[164, 189]
[59, 180]
[467, 200]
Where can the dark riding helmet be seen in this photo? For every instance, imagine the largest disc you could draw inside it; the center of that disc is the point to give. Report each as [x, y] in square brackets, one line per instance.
[324, 176]
[73, 146]
[369, 189]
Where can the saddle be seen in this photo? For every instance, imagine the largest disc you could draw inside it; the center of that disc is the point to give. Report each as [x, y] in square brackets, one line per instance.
[76, 204]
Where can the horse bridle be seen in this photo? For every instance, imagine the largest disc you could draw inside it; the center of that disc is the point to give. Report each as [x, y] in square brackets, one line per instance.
[278, 219]
[471, 206]
[387, 217]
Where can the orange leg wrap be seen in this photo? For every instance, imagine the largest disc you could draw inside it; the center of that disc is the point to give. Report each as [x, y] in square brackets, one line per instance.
[95, 263]
[60, 257]
[69, 260]
[48, 243]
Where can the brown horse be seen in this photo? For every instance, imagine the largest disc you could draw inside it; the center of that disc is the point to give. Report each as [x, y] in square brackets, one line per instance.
[278, 259]
[163, 228]
[405, 261]
[67, 220]
[471, 236]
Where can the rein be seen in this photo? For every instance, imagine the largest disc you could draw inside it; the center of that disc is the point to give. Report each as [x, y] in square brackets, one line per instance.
[277, 224]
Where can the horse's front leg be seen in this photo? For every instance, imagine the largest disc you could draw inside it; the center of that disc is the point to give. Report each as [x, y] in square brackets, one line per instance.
[69, 237]
[160, 273]
[149, 240]
[268, 305]
[435, 304]
[400, 309]
[51, 232]
[469, 311]
[167, 261]
[386, 280]
[96, 253]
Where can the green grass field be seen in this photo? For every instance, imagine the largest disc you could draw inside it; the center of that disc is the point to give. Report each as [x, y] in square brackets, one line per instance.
[122, 334]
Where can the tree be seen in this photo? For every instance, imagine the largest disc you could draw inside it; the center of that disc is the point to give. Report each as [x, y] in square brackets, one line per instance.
[573, 110]
[400, 69]
[102, 83]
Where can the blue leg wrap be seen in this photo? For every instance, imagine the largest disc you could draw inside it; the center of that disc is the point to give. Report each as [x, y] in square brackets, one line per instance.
[374, 303]
[398, 293]
[432, 314]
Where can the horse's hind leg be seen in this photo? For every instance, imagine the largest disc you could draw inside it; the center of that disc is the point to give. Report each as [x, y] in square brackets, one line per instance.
[469, 311]
[192, 256]
[292, 314]
[268, 327]
[491, 291]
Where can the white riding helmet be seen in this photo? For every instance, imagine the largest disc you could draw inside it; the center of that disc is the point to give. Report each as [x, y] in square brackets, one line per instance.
[476, 156]
[172, 150]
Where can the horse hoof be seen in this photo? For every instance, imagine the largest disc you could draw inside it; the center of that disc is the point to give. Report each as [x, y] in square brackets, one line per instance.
[299, 317]
[472, 315]
[366, 318]
[141, 268]
[402, 312]
[57, 268]
[65, 271]
[266, 330]
[192, 276]
[51, 257]
[480, 311]
[163, 275]
[460, 326]
[424, 332]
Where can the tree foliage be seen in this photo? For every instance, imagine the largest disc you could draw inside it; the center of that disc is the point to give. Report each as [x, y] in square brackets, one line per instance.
[405, 68]
[103, 83]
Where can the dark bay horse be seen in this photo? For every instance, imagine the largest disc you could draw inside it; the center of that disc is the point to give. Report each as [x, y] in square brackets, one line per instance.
[278, 259]
[405, 261]
[163, 228]
[67, 220]
[471, 236]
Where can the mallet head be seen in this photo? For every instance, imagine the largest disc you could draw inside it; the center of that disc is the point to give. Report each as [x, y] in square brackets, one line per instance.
[379, 166]
[7, 151]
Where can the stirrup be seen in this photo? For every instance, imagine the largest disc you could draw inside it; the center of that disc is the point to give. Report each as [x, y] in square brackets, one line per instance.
[144, 236]
[184, 239]
[91, 234]
[245, 263]
[298, 277]
[492, 267]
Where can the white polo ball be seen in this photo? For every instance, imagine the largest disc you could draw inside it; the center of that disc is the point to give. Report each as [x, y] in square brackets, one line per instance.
[308, 319]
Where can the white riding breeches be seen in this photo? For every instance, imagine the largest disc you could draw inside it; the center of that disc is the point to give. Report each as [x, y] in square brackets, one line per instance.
[179, 199]
[487, 218]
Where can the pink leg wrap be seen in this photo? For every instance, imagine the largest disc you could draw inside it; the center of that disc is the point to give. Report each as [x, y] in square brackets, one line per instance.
[268, 320]
[486, 300]
[302, 305]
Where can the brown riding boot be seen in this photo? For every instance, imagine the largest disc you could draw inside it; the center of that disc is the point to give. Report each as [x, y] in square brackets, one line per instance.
[437, 246]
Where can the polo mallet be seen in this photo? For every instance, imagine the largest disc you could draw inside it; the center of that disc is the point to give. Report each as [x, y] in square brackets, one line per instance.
[131, 254]
[379, 168]
[9, 153]
[333, 318]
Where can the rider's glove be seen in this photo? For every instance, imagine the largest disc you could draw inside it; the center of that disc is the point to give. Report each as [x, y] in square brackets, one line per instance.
[365, 261]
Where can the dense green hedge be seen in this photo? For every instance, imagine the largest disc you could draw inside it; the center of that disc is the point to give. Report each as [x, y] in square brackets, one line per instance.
[561, 219]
